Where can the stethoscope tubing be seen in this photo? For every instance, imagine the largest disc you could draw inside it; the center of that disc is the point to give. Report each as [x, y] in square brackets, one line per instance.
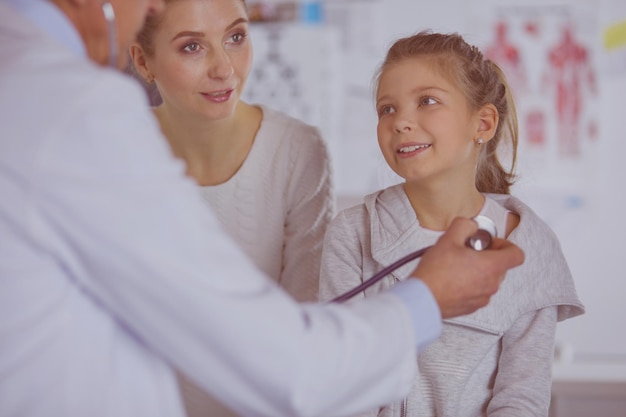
[380, 275]
[479, 241]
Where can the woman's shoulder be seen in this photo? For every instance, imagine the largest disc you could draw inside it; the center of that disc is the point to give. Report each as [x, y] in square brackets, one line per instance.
[293, 146]
[286, 128]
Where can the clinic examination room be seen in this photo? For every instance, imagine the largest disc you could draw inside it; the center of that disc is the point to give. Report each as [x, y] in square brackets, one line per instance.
[264, 208]
[565, 61]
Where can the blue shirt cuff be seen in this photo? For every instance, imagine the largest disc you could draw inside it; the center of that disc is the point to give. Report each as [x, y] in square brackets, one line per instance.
[423, 309]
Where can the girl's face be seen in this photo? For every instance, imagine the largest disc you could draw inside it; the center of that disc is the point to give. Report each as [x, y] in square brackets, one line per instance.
[202, 56]
[426, 130]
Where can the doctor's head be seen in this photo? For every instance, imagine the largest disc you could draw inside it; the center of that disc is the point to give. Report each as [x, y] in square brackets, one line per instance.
[108, 27]
[198, 54]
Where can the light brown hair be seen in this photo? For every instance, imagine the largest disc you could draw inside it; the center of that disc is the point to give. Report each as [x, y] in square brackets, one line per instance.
[482, 82]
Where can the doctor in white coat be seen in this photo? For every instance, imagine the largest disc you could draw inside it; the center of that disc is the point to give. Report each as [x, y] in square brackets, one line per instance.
[113, 273]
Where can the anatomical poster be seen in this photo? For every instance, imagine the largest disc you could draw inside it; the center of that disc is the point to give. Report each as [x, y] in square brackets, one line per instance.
[549, 53]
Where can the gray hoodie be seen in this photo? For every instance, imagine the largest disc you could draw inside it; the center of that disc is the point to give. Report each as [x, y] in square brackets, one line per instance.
[496, 361]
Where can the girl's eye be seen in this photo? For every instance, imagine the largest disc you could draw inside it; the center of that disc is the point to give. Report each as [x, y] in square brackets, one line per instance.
[192, 47]
[427, 101]
[385, 110]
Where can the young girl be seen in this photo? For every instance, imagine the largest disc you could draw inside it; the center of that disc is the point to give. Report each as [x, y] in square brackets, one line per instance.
[266, 175]
[444, 113]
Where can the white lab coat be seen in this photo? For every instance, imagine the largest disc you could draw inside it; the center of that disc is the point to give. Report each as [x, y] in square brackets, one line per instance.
[112, 270]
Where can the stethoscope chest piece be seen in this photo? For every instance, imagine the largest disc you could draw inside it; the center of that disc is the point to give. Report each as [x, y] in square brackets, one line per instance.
[486, 232]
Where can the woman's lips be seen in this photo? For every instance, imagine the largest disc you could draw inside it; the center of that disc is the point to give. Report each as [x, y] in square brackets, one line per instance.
[218, 96]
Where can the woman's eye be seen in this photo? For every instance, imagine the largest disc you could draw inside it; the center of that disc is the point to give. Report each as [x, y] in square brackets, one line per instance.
[192, 47]
[238, 37]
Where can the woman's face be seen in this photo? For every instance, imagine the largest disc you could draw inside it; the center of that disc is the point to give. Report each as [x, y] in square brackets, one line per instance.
[202, 56]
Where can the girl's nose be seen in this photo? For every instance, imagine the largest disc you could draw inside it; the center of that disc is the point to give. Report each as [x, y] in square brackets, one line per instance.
[403, 123]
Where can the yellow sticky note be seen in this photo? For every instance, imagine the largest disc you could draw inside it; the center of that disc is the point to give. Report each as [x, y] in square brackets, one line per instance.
[615, 36]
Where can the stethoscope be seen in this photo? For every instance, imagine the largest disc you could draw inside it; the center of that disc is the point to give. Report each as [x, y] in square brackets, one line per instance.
[478, 241]
[109, 16]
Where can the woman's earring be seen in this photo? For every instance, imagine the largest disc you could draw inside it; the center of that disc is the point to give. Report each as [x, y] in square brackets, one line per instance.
[479, 141]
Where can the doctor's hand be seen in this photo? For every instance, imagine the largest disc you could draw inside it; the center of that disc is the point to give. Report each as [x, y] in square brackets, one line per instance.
[461, 279]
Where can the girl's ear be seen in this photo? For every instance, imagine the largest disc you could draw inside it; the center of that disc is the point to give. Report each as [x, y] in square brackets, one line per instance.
[488, 122]
[138, 58]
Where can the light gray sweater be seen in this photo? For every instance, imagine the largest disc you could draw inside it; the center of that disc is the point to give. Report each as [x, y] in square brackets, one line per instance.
[276, 207]
[494, 362]
[278, 204]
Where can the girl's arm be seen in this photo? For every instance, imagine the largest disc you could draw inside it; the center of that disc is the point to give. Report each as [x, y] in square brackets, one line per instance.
[523, 382]
[342, 258]
[341, 267]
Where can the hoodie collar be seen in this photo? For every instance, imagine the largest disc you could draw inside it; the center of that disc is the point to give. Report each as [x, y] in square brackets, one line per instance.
[394, 228]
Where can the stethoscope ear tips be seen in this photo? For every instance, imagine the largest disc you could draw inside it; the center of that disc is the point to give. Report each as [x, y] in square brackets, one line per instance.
[485, 234]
